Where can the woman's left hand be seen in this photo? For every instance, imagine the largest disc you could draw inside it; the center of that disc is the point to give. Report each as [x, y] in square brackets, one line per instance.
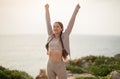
[78, 6]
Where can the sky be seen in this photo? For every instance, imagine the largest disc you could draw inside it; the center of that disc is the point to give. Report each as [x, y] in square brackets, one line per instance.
[95, 17]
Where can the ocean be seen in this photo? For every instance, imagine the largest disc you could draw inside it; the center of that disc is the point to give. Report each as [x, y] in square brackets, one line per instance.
[27, 52]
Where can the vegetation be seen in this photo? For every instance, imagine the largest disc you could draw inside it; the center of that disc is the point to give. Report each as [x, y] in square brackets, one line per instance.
[13, 74]
[99, 66]
[86, 78]
[74, 69]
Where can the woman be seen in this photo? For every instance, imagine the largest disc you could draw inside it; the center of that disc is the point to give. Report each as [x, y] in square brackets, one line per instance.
[56, 66]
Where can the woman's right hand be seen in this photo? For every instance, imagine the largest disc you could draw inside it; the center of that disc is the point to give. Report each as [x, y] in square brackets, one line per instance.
[46, 5]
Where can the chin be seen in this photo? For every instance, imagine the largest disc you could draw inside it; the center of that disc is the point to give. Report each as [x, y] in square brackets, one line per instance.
[56, 33]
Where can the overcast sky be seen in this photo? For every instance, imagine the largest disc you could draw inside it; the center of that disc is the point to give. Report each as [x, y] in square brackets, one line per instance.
[96, 17]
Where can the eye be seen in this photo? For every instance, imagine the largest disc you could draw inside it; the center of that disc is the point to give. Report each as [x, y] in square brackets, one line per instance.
[57, 26]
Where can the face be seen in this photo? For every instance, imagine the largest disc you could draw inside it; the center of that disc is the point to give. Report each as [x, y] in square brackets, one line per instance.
[57, 28]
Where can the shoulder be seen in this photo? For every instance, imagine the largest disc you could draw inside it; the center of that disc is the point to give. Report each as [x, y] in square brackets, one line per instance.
[65, 36]
[50, 37]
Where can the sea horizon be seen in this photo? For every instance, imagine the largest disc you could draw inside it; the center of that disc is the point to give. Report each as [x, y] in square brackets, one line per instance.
[27, 52]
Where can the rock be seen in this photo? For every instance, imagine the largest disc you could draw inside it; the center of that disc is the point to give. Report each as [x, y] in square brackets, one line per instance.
[117, 56]
[84, 64]
[115, 75]
[42, 74]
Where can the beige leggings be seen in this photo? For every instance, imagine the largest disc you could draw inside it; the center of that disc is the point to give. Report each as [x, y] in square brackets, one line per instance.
[56, 69]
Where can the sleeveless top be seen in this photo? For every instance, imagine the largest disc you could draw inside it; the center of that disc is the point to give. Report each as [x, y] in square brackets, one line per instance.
[55, 44]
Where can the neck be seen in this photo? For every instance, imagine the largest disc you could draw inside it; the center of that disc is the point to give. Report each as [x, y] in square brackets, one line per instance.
[57, 35]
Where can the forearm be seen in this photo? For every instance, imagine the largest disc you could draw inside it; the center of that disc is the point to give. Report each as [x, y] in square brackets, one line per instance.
[47, 17]
[72, 19]
[48, 22]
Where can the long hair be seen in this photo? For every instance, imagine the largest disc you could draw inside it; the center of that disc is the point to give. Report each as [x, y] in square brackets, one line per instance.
[61, 25]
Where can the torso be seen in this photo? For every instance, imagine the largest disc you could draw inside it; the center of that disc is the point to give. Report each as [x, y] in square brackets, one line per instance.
[55, 55]
[55, 50]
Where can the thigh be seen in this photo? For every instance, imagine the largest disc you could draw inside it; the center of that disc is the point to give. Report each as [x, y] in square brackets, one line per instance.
[61, 71]
[50, 73]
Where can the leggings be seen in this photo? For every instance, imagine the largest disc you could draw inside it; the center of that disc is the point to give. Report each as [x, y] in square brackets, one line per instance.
[56, 69]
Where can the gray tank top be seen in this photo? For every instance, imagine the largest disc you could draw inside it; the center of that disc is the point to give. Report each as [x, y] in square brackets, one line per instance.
[55, 44]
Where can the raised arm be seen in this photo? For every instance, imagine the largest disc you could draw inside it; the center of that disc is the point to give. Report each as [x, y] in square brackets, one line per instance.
[72, 20]
[48, 22]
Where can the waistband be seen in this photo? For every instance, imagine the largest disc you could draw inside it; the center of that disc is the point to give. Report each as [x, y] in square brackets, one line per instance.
[55, 62]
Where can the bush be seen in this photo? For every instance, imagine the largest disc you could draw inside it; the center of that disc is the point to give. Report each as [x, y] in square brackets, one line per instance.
[105, 60]
[100, 66]
[74, 69]
[115, 65]
[91, 57]
[13, 74]
[101, 70]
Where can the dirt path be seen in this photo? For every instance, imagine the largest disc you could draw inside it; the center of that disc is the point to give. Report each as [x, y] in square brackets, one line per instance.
[73, 76]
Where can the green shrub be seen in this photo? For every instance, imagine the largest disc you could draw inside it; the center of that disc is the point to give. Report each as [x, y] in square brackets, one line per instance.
[3, 75]
[87, 58]
[100, 66]
[13, 74]
[74, 69]
[101, 70]
[114, 66]
[103, 60]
